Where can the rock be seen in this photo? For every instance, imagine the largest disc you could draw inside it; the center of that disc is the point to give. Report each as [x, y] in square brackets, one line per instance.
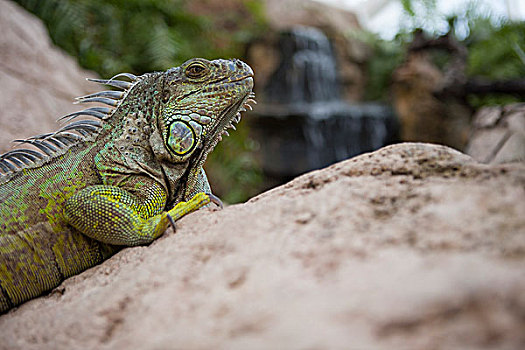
[38, 80]
[498, 134]
[424, 117]
[411, 246]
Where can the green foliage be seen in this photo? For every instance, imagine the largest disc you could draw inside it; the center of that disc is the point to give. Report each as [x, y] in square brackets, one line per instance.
[407, 7]
[138, 36]
[420, 13]
[495, 45]
[114, 36]
[386, 56]
[233, 159]
[496, 54]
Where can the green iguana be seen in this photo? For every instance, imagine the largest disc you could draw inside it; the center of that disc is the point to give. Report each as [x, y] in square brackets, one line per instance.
[97, 185]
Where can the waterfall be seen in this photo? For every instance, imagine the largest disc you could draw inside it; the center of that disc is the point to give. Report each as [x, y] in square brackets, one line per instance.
[302, 122]
[308, 71]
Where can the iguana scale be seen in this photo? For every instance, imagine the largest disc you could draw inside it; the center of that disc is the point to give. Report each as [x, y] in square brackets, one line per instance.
[97, 185]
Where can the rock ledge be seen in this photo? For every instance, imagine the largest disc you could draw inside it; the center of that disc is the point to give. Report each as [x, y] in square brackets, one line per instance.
[411, 246]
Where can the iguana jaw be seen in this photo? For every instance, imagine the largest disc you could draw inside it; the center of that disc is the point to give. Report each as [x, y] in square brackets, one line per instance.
[229, 117]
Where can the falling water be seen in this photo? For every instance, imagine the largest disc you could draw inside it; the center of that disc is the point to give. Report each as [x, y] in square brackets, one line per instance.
[302, 123]
[308, 69]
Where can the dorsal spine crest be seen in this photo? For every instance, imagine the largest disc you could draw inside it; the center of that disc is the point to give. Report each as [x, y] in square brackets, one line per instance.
[54, 144]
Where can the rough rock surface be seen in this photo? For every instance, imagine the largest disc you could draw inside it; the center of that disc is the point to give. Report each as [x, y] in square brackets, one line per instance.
[498, 134]
[423, 117]
[412, 246]
[37, 80]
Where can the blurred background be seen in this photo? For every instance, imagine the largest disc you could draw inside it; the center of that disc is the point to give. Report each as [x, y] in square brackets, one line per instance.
[334, 78]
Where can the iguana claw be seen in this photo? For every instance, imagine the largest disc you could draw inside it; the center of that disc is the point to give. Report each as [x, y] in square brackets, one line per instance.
[172, 222]
[215, 199]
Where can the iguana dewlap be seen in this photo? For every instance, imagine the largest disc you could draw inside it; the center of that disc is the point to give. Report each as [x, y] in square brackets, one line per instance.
[97, 185]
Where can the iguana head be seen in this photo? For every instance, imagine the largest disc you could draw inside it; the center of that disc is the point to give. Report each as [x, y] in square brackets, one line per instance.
[200, 100]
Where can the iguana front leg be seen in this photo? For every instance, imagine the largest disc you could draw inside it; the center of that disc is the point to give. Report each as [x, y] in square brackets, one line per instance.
[112, 215]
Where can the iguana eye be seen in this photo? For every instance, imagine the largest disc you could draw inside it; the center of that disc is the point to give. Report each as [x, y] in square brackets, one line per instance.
[195, 70]
[181, 138]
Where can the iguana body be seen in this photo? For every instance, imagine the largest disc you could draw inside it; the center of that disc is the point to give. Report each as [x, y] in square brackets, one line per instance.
[96, 186]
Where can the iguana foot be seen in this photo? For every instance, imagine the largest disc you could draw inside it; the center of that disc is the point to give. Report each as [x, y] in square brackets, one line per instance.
[196, 202]
[182, 208]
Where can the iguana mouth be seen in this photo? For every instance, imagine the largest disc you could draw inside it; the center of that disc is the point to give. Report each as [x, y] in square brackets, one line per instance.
[249, 75]
[231, 115]
[243, 78]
